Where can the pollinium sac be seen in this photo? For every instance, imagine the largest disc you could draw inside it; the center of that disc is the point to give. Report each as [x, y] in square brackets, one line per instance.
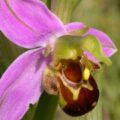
[77, 89]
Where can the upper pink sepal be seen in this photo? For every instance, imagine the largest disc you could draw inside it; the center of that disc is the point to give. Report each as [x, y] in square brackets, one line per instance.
[28, 23]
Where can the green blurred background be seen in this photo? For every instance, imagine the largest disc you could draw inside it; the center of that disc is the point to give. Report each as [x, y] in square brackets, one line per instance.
[101, 14]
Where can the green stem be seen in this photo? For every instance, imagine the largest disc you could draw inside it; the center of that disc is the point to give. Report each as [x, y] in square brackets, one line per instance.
[46, 107]
[62, 9]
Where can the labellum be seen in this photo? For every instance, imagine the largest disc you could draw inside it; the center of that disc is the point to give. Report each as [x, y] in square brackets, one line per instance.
[77, 89]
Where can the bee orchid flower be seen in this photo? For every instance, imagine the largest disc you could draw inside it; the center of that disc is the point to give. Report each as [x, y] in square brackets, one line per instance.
[60, 59]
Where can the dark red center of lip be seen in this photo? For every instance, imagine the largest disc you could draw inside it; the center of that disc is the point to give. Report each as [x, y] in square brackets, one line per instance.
[73, 71]
[86, 101]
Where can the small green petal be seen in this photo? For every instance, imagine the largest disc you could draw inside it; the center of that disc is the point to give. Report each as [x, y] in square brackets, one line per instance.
[92, 45]
[65, 49]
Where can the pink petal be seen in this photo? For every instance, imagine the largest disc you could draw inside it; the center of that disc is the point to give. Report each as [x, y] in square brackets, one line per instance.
[109, 47]
[71, 27]
[20, 85]
[91, 57]
[28, 23]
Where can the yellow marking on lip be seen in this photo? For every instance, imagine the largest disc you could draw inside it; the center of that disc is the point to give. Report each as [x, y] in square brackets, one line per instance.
[86, 74]
[75, 92]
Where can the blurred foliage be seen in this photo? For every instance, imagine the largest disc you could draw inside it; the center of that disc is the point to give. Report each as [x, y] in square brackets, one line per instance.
[8, 52]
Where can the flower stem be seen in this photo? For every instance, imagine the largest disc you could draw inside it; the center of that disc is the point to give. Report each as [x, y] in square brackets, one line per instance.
[64, 8]
[46, 107]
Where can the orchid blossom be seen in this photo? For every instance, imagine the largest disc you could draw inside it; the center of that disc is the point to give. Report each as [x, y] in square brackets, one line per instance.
[60, 59]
